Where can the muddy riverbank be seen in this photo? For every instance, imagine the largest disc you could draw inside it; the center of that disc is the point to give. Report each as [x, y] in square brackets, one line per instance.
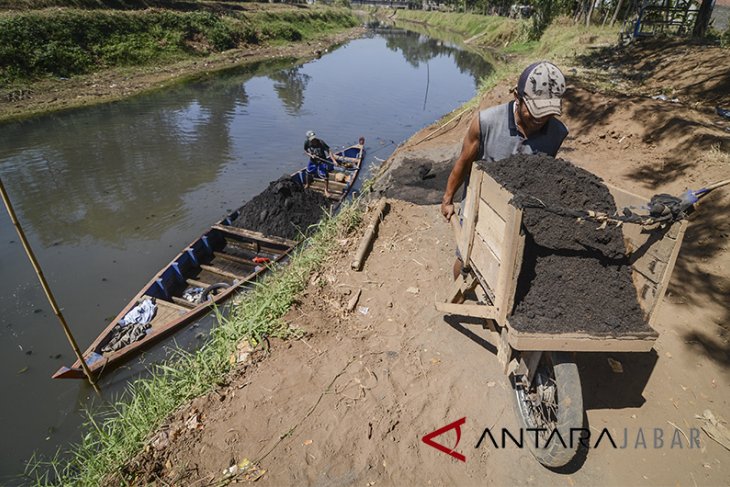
[52, 95]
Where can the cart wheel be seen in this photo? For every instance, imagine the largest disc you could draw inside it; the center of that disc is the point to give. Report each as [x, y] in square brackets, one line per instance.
[553, 401]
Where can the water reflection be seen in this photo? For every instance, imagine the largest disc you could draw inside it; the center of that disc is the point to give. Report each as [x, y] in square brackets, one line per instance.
[418, 48]
[289, 85]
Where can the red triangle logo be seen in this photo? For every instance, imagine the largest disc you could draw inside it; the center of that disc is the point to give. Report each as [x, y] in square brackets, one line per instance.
[428, 439]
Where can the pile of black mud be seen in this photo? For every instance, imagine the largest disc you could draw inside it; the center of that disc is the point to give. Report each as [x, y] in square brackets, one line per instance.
[575, 277]
[284, 209]
[420, 181]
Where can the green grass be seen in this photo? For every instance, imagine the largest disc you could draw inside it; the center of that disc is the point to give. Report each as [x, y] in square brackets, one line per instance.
[564, 39]
[68, 42]
[492, 30]
[111, 4]
[115, 435]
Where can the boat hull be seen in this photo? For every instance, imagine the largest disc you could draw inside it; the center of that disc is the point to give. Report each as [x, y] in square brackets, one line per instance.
[223, 255]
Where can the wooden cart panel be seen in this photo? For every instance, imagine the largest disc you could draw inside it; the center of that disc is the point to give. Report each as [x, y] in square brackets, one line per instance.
[489, 239]
[581, 342]
[652, 254]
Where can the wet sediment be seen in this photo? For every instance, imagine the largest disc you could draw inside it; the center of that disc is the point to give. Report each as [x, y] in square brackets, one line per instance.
[575, 277]
[284, 209]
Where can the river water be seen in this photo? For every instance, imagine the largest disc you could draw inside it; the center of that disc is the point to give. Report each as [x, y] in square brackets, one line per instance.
[107, 195]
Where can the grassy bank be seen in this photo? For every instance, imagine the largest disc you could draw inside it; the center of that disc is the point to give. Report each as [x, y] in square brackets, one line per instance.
[504, 42]
[117, 434]
[484, 30]
[506, 36]
[68, 42]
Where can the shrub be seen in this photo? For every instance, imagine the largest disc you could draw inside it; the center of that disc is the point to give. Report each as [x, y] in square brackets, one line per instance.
[65, 42]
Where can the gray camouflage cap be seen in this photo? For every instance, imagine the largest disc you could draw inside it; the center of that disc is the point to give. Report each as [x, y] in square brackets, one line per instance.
[541, 86]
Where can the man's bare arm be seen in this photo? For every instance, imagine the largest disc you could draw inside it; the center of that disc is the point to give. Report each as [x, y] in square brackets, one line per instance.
[462, 166]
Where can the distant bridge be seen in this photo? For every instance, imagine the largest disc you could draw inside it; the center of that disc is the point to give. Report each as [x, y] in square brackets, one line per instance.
[395, 4]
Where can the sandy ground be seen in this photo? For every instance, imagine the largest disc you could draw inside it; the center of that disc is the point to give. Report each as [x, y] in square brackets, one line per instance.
[349, 403]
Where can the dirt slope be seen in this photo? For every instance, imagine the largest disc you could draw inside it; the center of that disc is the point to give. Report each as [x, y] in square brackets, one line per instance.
[349, 403]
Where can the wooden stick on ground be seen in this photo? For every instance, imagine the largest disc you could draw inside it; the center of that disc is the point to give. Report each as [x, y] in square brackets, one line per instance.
[369, 235]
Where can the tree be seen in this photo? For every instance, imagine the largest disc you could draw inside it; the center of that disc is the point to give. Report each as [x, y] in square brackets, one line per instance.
[703, 18]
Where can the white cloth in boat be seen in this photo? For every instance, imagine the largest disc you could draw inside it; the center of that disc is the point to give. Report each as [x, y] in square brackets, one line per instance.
[141, 314]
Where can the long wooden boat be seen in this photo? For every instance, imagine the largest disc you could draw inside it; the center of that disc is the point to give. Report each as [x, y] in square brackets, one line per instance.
[225, 259]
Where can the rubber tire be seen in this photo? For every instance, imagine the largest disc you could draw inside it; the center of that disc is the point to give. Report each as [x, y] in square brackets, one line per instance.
[569, 413]
[213, 287]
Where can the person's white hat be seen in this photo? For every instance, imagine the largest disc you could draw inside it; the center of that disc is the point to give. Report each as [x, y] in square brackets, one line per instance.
[311, 135]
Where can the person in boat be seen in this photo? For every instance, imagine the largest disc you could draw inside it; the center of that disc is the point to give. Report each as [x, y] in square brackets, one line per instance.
[525, 125]
[321, 160]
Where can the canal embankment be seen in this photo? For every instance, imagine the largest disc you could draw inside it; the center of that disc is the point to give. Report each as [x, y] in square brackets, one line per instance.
[57, 58]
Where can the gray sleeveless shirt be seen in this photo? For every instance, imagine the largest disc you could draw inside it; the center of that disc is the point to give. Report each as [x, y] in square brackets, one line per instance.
[500, 138]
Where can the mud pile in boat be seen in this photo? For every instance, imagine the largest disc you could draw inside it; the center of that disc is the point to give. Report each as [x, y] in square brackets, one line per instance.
[284, 209]
[574, 276]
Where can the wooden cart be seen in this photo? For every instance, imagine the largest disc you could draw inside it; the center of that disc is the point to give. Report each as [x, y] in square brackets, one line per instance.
[491, 241]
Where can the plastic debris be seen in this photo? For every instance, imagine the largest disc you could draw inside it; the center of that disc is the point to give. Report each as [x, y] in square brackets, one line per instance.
[723, 112]
[243, 352]
[665, 98]
[193, 294]
[245, 469]
[161, 441]
[193, 421]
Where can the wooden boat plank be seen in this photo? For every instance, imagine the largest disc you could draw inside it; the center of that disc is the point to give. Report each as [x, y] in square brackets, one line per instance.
[240, 246]
[183, 302]
[166, 313]
[254, 235]
[196, 283]
[332, 182]
[234, 258]
[249, 250]
[210, 278]
[232, 266]
[221, 272]
[162, 304]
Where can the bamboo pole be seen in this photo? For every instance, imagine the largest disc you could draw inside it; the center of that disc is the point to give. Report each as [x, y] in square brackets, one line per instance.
[46, 289]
